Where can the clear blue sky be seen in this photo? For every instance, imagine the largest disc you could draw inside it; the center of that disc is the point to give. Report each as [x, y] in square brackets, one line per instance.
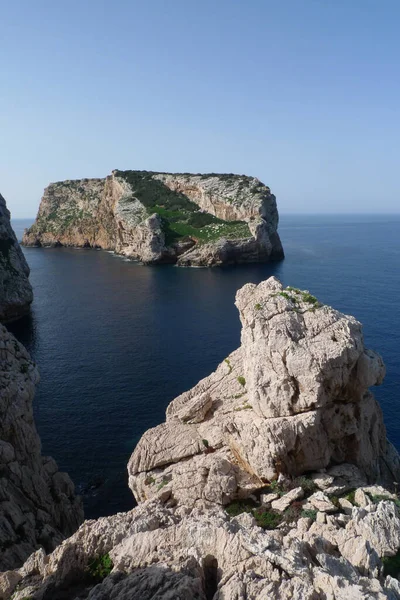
[304, 94]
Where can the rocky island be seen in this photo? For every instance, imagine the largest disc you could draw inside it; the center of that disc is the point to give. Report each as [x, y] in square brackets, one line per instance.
[190, 220]
[271, 478]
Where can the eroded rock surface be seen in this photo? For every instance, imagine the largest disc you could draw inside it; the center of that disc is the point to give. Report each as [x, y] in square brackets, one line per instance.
[293, 398]
[37, 502]
[160, 550]
[193, 220]
[262, 483]
[15, 289]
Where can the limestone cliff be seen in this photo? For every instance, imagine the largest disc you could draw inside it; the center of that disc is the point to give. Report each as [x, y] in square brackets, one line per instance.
[15, 289]
[294, 397]
[37, 503]
[261, 484]
[163, 217]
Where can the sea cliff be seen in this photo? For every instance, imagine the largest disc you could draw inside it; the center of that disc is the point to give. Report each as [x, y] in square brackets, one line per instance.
[15, 290]
[190, 220]
[271, 478]
[38, 507]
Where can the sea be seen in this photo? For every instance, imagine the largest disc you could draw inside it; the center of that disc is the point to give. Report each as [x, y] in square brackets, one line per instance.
[116, 341]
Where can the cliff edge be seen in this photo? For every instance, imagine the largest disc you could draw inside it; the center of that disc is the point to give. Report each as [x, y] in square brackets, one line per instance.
[191, 220]
[38, 507]
[15, 290]
[271, 478]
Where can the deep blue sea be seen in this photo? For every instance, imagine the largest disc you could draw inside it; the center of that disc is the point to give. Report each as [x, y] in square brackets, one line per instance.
[116, 341]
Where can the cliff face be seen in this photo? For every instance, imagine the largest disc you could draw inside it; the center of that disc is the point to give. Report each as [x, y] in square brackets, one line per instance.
[261, 484]
[293, 398]
[15, 289]
[161, 217]
[37, 502]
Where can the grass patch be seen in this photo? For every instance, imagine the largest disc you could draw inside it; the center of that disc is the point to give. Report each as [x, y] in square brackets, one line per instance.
[350, 496]
[244, 407]
[228, 362]
[100, 567]
[237, 507]
[309, 513]
[268, 519]
[181, 218]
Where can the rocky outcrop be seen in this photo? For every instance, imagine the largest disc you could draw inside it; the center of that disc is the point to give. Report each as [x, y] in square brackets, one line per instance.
[160, 550]
[15, 289]
[293, 398]
[199, 220]
[262, 482]
[38, 507]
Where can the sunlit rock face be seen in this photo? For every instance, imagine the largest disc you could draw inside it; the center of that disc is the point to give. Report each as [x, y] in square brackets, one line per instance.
[191, 220]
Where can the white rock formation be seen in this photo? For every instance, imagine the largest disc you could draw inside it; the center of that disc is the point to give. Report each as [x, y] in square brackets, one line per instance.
[162, 217]
[37, 502]
[293, 398]
[15, 289]
[173, 552]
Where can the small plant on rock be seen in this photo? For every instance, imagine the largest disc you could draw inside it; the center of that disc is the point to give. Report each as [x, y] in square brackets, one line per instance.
[100, 567]
[267, 519]
[241, 380]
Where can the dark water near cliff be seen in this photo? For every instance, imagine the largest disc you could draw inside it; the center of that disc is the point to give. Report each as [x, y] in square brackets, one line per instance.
[116, 341]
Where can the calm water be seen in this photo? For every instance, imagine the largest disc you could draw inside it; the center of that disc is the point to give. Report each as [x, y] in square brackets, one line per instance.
[116, 341]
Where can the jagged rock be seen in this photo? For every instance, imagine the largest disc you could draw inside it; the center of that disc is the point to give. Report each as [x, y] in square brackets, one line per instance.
[286, 500]
[37, 502]
[322, 503]
[15, 289]
[323, 480]
[293, 398]
[195, 220]
[361, 498]
[346, 506]
[161, 551]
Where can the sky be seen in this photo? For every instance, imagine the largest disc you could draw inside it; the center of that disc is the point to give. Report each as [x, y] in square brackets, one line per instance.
[303, 94]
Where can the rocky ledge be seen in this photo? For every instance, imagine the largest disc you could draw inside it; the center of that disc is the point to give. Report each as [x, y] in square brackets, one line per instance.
[191, 220]
[38, 507]
[15, 289]
[271, 478]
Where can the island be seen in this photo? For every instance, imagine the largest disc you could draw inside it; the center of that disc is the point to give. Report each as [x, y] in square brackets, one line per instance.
[180, 218]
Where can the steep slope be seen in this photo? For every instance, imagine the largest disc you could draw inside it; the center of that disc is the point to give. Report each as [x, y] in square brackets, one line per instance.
[37, 502]
[292, 399]
[163, 217]
[15, 289]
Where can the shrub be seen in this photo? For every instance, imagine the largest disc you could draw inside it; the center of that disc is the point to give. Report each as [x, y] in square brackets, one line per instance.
[267, 519]
[258, 306]
[240, 506]
[100, 567]
[206, 443]
[241, 380]
[309, 513]
[350, 497]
